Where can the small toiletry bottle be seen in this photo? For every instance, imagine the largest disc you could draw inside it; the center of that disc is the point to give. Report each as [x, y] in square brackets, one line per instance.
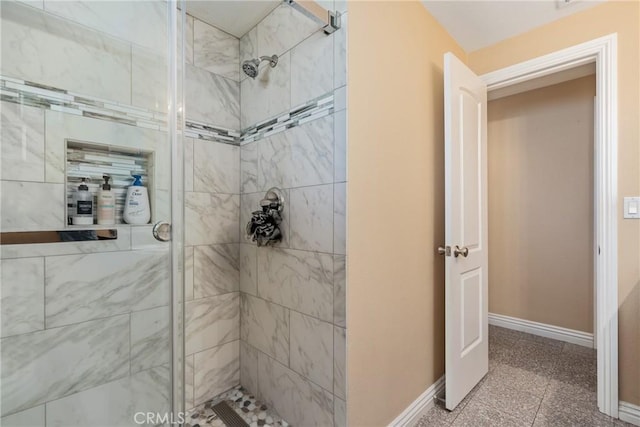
[106, 203]
[136, 205]
[83, 214]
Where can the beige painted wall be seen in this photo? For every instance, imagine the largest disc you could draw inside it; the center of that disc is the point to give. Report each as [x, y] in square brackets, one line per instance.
[540, 156]
[622, 17]
[395, 293]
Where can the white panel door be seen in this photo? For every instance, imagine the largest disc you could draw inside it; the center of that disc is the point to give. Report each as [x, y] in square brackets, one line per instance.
[466, 293]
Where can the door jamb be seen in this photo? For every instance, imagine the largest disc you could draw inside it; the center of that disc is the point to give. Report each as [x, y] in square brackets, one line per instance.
[602, 51]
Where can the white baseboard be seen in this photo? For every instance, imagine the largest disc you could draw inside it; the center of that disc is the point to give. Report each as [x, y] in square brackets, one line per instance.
[549, 331]
[419, 407]
[629, 413]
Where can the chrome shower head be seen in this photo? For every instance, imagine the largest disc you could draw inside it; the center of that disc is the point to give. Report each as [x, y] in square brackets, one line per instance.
[251, 66]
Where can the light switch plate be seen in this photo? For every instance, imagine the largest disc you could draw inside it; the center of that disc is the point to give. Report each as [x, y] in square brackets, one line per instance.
[632, 207]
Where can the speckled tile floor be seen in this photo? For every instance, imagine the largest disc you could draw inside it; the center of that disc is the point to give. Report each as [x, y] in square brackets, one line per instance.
[252, 411]
[532, 381]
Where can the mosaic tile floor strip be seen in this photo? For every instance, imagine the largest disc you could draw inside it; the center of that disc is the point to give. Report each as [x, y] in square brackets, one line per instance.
[252, 411]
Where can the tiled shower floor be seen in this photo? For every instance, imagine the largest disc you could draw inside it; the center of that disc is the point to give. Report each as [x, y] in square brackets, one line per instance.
[254, 412]
[532, 381]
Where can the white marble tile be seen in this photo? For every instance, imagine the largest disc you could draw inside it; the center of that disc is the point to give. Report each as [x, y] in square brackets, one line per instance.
[33, 417]
[188, 163]
[22, 295]
[60, 126]
[311, 68]
[212, 99]
[339, 362]
[33, 3]
[188, 273]
[300, 280]
[248, 48]
[216, 371]
[249, 269]
[123, 242]
[85, 287]
[298, 401]
[211, 321]
[139, 22]
[341, 6]
[340, 147]
[216, 167]
[188, 46]
[115, 403]
[149, 79]
[189, 380]
[22, 131]
[216, 51]
[249, 167]
[216, 270]
[340, 98]
[150, 338]
[46, 365]
[340, 218]
[312, 218]
[300, 156]
[265, 326]
[43, 48]
[211, 218]
[340, 54]
[282, 29]
[339, 412]
[312, 349]
[30, 206]
[248, 367]
[268, 94]
[339, 291]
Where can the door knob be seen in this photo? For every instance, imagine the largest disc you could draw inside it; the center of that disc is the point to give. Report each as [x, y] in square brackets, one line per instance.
[444, 250]
[464, 251]
[162, 231]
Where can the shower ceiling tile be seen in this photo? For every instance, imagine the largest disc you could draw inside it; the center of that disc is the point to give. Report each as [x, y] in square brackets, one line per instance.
[300, 280]
[216, 51]
[311, 68]
[282, 29]
[67, 360]
[111, 283]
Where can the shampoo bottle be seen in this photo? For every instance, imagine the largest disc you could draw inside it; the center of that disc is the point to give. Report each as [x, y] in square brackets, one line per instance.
[83, 201]
[106, 203]
[136, 205]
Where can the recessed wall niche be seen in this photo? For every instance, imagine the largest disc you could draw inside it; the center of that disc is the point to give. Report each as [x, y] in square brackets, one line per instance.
[92, 161]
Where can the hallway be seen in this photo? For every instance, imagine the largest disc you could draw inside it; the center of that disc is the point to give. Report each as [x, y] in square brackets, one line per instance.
[532, 381]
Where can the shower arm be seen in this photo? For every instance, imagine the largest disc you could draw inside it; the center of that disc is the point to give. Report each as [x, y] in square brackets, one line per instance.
[329, 19]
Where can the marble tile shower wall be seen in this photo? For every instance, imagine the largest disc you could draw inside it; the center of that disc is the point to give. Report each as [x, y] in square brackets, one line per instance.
[292, 296]
[85, 325]
[212, 212]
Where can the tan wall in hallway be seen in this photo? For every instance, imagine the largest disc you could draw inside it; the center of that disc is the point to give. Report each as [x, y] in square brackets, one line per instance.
[622, 17]
[541, 205]
[395, 293]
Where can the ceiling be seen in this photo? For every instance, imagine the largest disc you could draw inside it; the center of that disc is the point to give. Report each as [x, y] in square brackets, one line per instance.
[235, 17]
[475, 24]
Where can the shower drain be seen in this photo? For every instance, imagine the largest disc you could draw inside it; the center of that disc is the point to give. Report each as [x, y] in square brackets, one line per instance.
[229, 417]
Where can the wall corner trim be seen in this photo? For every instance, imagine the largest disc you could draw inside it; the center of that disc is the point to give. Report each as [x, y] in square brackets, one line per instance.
[410, 416]
[572, 336]
[629, 412]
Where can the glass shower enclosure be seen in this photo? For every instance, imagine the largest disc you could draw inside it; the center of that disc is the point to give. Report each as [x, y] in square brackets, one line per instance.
[92, 315]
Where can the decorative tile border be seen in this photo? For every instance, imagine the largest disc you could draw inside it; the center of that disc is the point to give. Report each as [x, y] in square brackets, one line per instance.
[55, 99]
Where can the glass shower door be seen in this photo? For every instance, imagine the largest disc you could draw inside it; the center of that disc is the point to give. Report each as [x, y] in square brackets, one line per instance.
[91, 311]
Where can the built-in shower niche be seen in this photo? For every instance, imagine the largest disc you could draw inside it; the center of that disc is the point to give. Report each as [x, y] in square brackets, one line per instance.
[92, 161]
